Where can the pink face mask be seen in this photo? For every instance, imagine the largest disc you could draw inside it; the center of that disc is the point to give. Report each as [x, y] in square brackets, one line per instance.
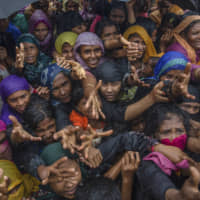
[4, 146]
[179, 142]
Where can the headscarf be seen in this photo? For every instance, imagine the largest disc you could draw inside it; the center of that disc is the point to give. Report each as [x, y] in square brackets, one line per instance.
[33, 72]
[20, 21]
[176, 9]
[171, 60]
[66, 37]
[86, 38]
[108, 72]
[37, 17]
[150, 49]
[48, 75]
[177, 31]
[8, 86]
[27, 183]
[64, 3]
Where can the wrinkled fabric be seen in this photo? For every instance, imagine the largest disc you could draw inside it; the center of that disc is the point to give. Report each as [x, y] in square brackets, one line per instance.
[33, 72]
[66, 37]
[165, 164]
[150, 49]
[86, 38]
[2, 126]
[8, 86]
[40, 17]
[27, 184]
[108, 72]
[171, 60]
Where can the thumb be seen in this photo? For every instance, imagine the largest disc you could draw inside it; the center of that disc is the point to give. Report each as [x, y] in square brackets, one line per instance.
[195, 176]
[14, 121]
[187, 69]
[124, 41]
[160, 85]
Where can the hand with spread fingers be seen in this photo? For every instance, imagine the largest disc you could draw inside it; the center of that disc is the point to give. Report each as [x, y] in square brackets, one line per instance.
[94, 103]
[77, 71]
[50, 174]
[19, 63]
[87, 153]
[180, 85]
[19, 135]
[43, 92]
[3, 186]
[129, 164]
[134, 79]
[67, 137]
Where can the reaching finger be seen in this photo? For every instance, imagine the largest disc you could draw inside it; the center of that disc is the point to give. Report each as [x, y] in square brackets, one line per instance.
[35, 139]
[14, 121]
[124, 41]
[188, 68]
[60, 161]
[104, 134]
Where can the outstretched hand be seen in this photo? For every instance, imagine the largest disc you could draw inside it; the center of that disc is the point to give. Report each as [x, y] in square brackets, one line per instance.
[19, 63]
[94, 103]
[19, 135]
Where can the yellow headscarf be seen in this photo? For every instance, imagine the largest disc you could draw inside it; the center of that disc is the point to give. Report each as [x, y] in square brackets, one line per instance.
[68, 37]
[176, 9]
[26, 183]
[150, 49]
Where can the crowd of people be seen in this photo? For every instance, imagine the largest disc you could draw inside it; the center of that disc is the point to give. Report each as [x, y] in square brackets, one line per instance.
[100, 100]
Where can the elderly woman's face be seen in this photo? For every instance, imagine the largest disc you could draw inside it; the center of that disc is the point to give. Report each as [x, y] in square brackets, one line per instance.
[91, 55]
[193, 36]
[41, 31]
[117, 16]
[62, 88]
[19, 100]
[30, 53]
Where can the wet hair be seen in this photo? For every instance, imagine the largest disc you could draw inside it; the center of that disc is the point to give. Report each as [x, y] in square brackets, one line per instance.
[147, 23]
[68, 20]
[102, 24]
[98, 189]
[37, 110]
[158, 113]
[7, 41]
[77, 94]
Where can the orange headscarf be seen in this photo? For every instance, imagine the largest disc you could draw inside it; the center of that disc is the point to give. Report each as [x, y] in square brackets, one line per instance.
[150, 49]
[181, 27]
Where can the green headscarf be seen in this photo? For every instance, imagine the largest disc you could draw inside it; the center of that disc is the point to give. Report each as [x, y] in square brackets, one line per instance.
[33, 72]
[20, 21]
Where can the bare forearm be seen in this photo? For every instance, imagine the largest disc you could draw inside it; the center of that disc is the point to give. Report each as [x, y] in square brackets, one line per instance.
[131, 15]
[114, 171]
[136, 109]
[172, 194]
[126, 189]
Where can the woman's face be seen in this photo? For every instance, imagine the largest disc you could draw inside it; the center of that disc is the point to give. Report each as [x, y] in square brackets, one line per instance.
[171, 75]
[72, 6]
[41, 31]
[79, 29]
[111, 90]
[68, 185]
[109, 32]
[5, 149]
[190, 107]
[30, 53]
[171, 128]
[19, 100]
[193, 36]
[117, 16]
[62, 88]
[142, 46]
[45, 129]
[67, 51]
[3, 53]
[91, 55]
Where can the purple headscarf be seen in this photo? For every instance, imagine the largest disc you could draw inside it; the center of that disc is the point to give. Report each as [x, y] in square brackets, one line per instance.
[87, 38]
[8, 86]
[37, 17]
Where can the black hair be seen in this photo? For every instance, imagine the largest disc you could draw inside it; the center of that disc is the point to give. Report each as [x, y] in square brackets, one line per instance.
[7, 41]
[77, 94]
[102, 24]
[68, 20]
[158, 113]
[148, 24]
[37, 110]
[98, 189]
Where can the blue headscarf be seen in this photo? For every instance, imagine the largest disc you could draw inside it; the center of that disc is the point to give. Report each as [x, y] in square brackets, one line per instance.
[48, 75]
[171, 60]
